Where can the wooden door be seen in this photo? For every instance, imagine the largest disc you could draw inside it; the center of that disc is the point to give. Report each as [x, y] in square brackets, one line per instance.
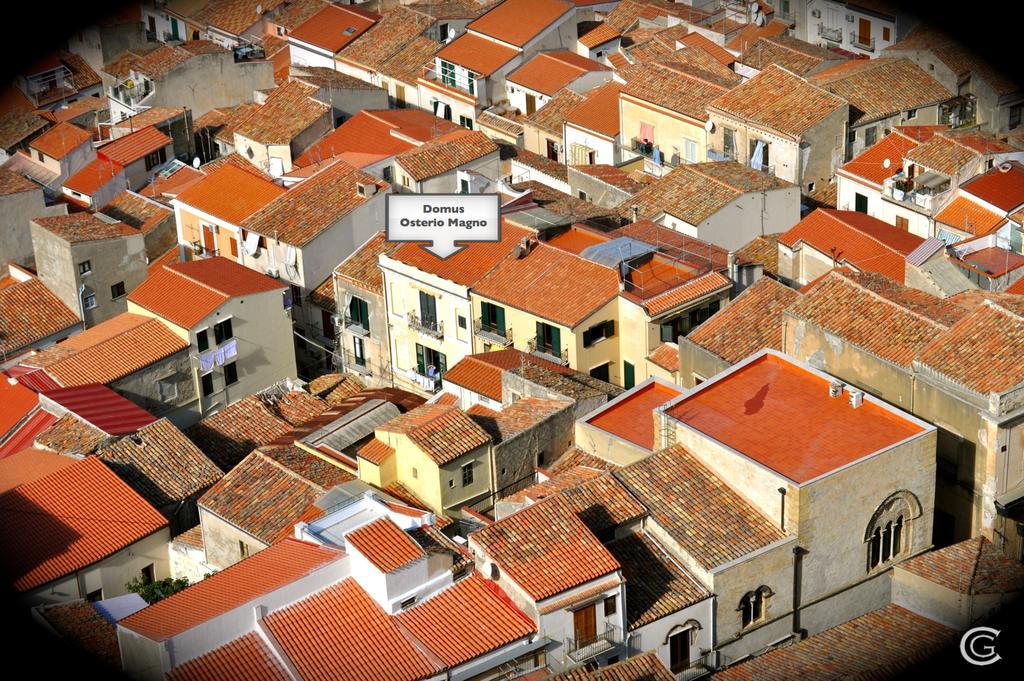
[531, 105]
[864, 31]
[209, 240]
[584, 624]
[679, 651]
[400, 96]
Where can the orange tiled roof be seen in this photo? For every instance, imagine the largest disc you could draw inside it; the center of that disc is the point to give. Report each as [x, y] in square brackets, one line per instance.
[752, 32]
[749, 324]
[779, 100]
[97, 513]
[478, 54]
[185, 293]
[722, 55]
[84, 226]
[60, 140]
[686, 292]
[383, 133]
[130, 148]
[468, 265]
[136, 211]
[679, 491]
[29, 312]
[445, 153]
[599, 111]
[666, 356]
[858, 239]
[793, 406]
[790, 53]
[645, 667]
[234, 16]
[15, 183]
[261, 573]
[885, 643]
[15, 126]
[71, 435]
[93, 176]
[477, 375]
[230, 193]
[247, 658]
[334, 27]
[1003, 189]
[386, 546]
[443, 432]
[517, 22]
[361, 268]
[348, 625]
[870, 165]
[108, 351]
[535, 283]
[549, 72]
[973, 566]
[375, 451]
[598, 35]
[677, 89]
[314, 205]
[449, 623]
[545, 549]
[29, 465]
[290, 110]
[970, 216]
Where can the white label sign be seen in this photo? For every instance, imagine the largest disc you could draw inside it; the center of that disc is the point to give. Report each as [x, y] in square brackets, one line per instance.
[443, 220]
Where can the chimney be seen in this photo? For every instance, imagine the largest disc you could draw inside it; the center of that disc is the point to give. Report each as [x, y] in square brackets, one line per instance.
[835, 389]
[856, 398]
[366, 188]
[635, 211]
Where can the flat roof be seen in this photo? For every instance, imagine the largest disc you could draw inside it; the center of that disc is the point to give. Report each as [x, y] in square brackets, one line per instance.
[630, 416]
[780, 414]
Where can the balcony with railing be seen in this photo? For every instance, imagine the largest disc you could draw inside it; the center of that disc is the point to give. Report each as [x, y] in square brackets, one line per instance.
[834, 35]
[492, 333]
[357, 327]
[458, 81]
[723, 155]
[923, 194]
[699, 668]
[580, 650]
[132, 95]
[862, 42]
[359, 365]
[429, 384]
[431, 327]
[544, 351]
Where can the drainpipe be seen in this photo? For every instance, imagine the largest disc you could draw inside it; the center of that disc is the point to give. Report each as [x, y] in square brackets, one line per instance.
[782, 509]
[798, 565]
[81, 303]
[635, 212]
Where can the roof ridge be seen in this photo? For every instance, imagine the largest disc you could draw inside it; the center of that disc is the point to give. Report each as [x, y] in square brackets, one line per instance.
[878, 241]
[839, 275]
[289, 471]
[171, 268]
[977, 564]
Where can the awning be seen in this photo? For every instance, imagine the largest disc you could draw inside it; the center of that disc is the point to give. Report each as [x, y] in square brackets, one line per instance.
[930, 180]
[1012, 502]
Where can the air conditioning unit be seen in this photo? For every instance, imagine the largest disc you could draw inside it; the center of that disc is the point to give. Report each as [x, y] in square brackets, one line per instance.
[856, 398]
[336, 319]
[273, 272]
[366, 188]
[816, 13]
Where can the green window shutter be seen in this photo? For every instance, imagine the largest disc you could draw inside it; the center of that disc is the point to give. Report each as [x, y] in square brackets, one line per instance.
[540, 333]
[364, 314]
[609, 329]
[556, 341]
[666, 333]
[629, 375]
[499, 318]
[421, 364]
[588, 338]
[442, 363]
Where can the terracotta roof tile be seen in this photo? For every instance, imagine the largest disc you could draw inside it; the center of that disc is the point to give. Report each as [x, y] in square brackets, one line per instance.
[443, 432]
[449, 623]
[666, 356]
[553, 485]
[375, 451]
[290, 110]
[750, 323]
[234, 16]
[130, 148]
[333, 27]
[644, 667]
[549, 72]
[969, 216]
[58, 141]
[93, 176]
[29, 312]
[685, 292]
[229, 435]
[703, 255]
[533, 283]
[973, 566]
[383, 133]
[779, 100]
[79, 623]
[517, 22]
[99, 515]
[84, 226]
[678, 491]
[870, 165]
[790, 53]
[468, 265]
[750, 33]
[109, 351]
[29, 465]
[701, 41]
[160, 464]
[632, 417]
[545, 549]
[679, 88]
[361, 268]
[551, 116]
[71, 435]
[599, 110]
[313, 205]
[230, 193]
[477, 54]
[387, 38]
[137, 211]
[519, 416]
[791, 405]
[247, 657]
[947, 151]
[881, 644]
[16, 126]
[598, 35]
[879, 88]
[185, 293]
[761, 250]
[221, 592]
[858, 239]
[270, 488]
[386, 546]
[656, 586]
[1003, 189]
[445, 153]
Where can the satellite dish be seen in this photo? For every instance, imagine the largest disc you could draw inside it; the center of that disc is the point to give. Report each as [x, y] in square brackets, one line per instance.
[755, 6]
[451, 33]
[259, 10]
[709, 125]
[1005, 167]
[195, 162]
[759, 20]
[886, 163]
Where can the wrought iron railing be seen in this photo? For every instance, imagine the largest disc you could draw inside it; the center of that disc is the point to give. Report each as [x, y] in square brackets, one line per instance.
[698, 668]
[857, 40]
[548, 352]
[360, 365]
[431, 327]
[584, 649]
[492, 333]
[833, 34]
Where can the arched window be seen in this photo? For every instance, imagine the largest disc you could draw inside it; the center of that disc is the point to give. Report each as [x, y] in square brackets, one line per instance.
[890, 532]
[753, 605]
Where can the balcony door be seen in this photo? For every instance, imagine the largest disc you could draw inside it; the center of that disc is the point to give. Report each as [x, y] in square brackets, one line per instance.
[584, 623]
[531, 105]
[428, 309]
[549, 339]
[864, 32]
[679, 651]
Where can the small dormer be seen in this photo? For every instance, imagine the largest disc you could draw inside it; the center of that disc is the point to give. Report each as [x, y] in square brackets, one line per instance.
[388, 564]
